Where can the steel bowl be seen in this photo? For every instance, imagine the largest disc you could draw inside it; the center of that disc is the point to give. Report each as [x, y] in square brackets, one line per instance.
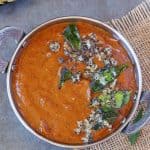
[17, 33]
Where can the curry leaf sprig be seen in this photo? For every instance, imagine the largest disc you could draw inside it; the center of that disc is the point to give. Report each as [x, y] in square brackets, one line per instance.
[121, 98]
[106, 75]
[71, 34]
[115, 99]
[110, 103]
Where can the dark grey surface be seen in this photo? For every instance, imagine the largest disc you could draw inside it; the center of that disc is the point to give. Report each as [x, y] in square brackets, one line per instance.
[27, 14]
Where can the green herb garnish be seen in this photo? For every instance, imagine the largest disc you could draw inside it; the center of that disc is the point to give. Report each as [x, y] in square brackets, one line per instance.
[72, 35]
[110, 115]
[64, 76]
[106, 76]
[110, 103]
[114, 99]
[105, 102]
[121, 98]
[96, 126]
[133, 137]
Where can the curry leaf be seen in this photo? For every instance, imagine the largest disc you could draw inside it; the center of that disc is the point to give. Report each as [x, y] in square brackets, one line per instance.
[96, 126]
[126, 97]
[121, 68]
[114, 99]
[64, 76]
[105, 100]
[133, 137]
[111, 102]
[72, 35]
[110, 115]
[105, 76]
[118, 99]
[96, 86]
[121, 98]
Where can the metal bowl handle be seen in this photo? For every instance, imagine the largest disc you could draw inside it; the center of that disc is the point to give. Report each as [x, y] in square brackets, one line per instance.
[16, 35]
[133, 128]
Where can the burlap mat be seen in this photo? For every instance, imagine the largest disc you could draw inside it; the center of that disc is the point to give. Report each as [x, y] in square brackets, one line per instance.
[135, 26]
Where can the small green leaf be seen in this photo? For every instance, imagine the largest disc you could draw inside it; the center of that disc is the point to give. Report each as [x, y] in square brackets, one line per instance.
[111, 102]
[133, 137]
[121, 68]
[121, 98]
[126, 97]
[105, 102]
[110, 115]
[96, 126]
[104, 97]
[139, 115]
[106, 76]
[95, 86]
[72, 35]
[65, 75]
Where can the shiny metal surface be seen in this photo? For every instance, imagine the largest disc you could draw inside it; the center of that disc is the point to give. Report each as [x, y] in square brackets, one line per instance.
[115, 34]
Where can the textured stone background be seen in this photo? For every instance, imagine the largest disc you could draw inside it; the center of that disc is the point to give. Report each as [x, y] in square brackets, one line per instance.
[27, 14]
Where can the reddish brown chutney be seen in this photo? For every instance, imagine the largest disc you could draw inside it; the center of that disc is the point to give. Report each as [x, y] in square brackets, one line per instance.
[50, 111]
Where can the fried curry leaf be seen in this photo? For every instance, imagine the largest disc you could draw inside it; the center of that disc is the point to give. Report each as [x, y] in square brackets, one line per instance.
[109, 112]
[106, 76]
[114, 99]
[126, 97]
[96, 126]
[111, 102]
[133, 137]
[64, 76]
[96, 86]
[110, 115]
[72, 35]
[120, 68]
[105, 100]
[121, 98]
